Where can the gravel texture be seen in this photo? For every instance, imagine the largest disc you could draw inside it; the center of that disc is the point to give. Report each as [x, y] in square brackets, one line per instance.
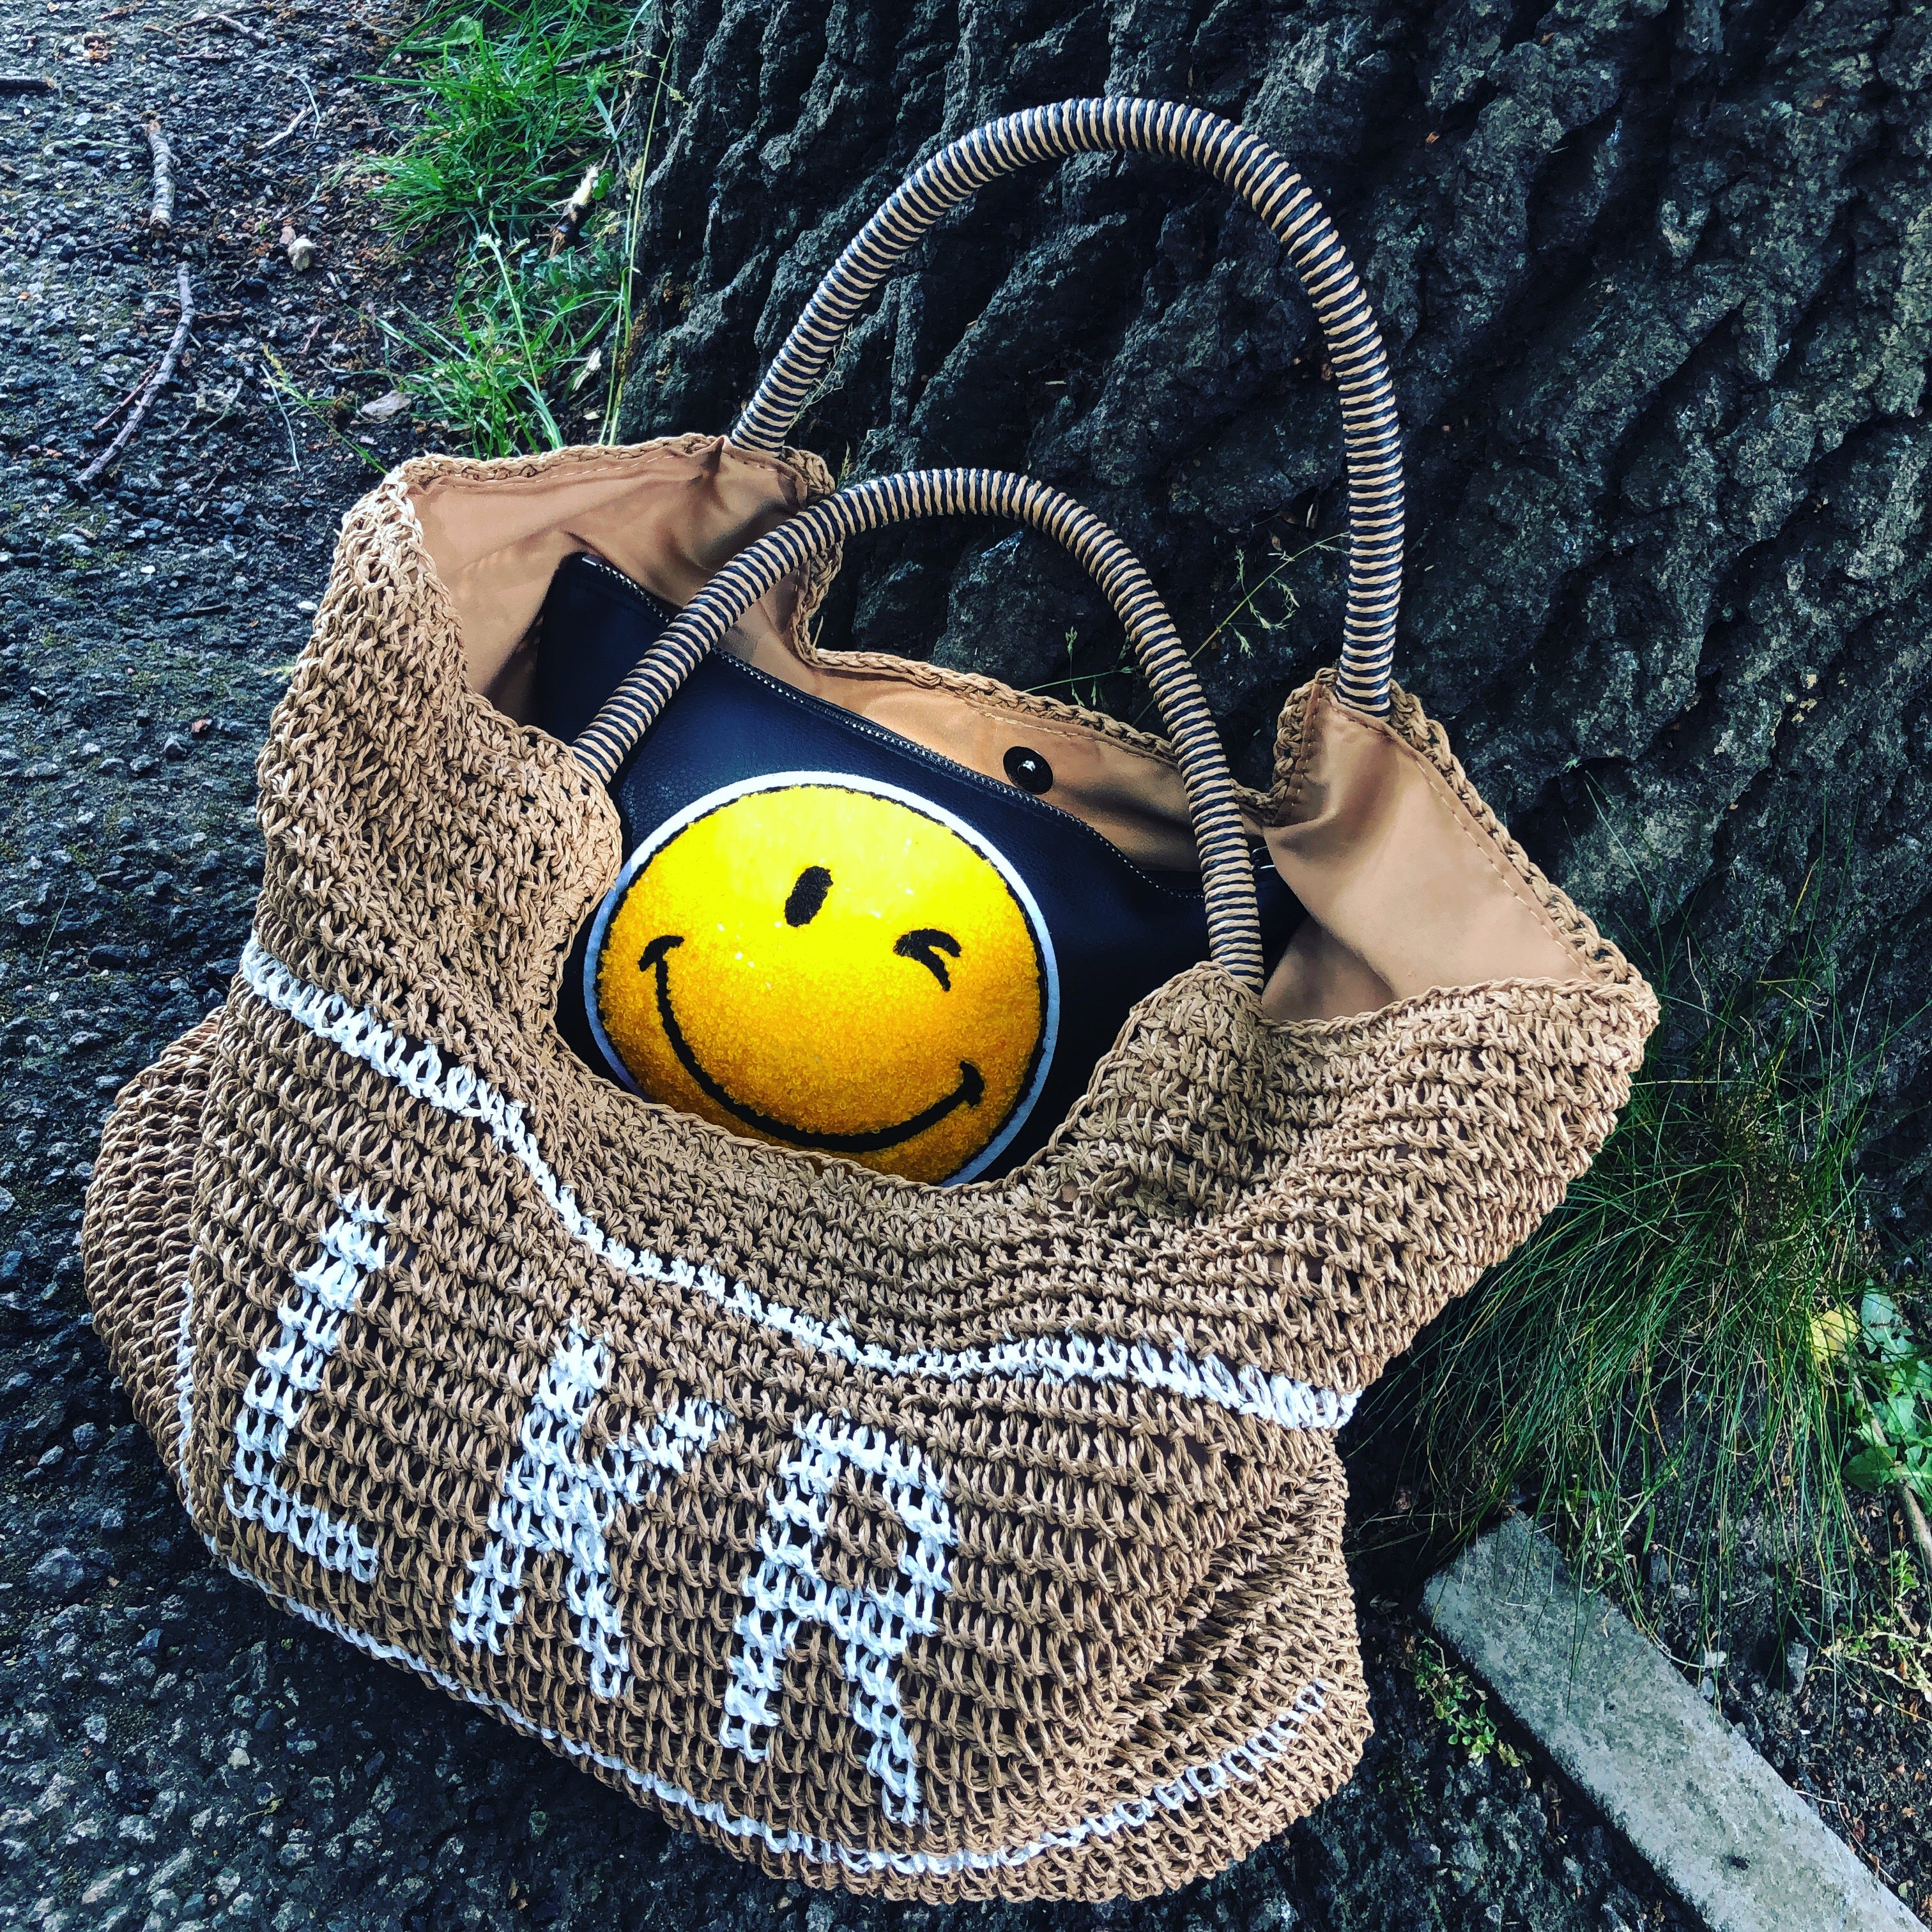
[173, 1753]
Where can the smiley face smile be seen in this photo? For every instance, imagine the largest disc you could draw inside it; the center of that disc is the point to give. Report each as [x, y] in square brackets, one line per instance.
[970, 1090]
[833, 964]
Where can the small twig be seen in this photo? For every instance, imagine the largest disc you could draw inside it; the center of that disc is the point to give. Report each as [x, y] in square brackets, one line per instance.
[161, 215]
[254, 34]
[107, 416]
[308, 340]
[27, 83]
[576, 209]
[591, 59]
[279, 138]
[309, 107]
[1921, 1530]
[156, 383]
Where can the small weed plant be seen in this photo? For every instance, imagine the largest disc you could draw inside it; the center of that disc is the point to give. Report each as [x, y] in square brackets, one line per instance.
[1460, 1706]
[1892, 1640]
[1889, 1384]
[519, 103]
[1699, 1351]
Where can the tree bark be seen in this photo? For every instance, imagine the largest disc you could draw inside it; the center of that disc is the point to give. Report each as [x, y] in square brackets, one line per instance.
[1656, 281]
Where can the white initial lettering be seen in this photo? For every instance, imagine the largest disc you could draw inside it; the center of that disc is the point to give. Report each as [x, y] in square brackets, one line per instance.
[288, 1371]
[783, 1591]
[556, 1501]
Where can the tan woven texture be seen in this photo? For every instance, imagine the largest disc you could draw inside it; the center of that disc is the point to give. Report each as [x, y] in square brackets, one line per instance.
[938, 1542]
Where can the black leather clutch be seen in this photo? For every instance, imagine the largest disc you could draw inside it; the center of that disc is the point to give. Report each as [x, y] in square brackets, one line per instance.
[830, 936]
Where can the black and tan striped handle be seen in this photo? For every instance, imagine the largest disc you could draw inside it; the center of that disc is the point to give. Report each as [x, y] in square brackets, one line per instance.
[1262, 179]
[1234, 929]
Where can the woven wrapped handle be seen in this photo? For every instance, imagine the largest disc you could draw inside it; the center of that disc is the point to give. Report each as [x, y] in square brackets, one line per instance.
[1262, 179]
[1233, 924]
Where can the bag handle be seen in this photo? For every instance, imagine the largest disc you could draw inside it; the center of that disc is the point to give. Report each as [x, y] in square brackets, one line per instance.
[1234, 919]
[1260, 177]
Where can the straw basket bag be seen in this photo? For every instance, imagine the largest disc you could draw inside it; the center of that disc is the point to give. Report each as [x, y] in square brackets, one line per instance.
[939, 1541]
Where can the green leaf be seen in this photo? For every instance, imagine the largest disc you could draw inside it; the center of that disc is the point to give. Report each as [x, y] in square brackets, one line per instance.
[1872, 1469]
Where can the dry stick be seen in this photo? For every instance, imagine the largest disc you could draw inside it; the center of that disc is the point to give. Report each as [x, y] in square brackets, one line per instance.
[161, 215]
[107, 416]
[27, 83]
[260, 39]
[156, 383]
[255, 33]
[301, 113]
[1921, 1530]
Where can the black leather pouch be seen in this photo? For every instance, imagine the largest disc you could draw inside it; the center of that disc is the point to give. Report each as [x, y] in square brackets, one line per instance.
[1107, 932]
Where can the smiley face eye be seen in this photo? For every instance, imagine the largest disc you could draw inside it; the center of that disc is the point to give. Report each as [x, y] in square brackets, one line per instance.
[924, 944]
[808, 895]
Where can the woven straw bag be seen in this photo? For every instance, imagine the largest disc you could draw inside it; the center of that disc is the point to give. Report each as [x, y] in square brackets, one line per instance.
[936, 1541]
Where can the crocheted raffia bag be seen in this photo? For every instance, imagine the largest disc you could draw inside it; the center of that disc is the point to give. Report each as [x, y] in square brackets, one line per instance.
[939, 1541]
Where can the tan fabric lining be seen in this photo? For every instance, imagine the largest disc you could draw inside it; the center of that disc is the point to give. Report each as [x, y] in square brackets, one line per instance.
[668, 515]
[1133, 798]
[1405, 891]
[1406, 888]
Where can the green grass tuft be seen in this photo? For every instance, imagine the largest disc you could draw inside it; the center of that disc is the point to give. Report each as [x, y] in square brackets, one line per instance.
[513, 105]
[507, 365]
[1661, 1368]
[518, 101]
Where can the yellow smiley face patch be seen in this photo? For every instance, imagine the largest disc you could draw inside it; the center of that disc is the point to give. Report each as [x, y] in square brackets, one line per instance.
[832, 963]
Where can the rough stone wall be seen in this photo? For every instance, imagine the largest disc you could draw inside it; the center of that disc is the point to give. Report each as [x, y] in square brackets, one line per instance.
[1656, 281]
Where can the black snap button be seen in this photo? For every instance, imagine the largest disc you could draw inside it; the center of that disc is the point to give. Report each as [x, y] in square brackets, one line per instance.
[1029, 770]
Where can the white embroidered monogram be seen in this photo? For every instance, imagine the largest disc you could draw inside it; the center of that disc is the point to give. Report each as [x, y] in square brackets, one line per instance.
[785, 1591]
[1242, 1763]
[556, 1501]
[288, 1371]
